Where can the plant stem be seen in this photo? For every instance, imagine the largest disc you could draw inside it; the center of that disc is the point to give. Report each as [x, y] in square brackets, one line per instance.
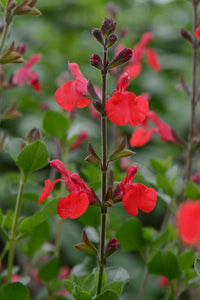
[103, 173]
[144, 280]
[12, 240]
[7, 22]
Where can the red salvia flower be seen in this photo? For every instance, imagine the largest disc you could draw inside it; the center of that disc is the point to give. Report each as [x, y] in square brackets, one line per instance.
[25, 74]
[188, 223]
[141, 136]
[125, 106]
[70, 94]
[76, 203]
[136, 195]
[197, 32]
[83, 136]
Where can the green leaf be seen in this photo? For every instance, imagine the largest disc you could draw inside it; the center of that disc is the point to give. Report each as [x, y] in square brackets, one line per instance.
[92, 216]
[8, 220]
[165, 184]
[50, 270]
[197, 266]
[160, 165]
[47, 211]
[69, 285]
[90, 282]
[192, 191]
[12, 147]
[15, 290]
[117, 274]
[166, 236]
[40, 234]
[133, 239]
[186, 259]
[33, 157]
[79, 294]
[165, 263]
[1, 216]
[108, 295]
[116, 286]
[55, 123]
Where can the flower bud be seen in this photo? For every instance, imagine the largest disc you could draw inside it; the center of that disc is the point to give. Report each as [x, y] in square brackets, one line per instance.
[121, 58]
[96, 61]
[112, 246]
[108, 27]
[186, 35]
[33, 135]
[112, 9]
[111, 40]
[98, 36]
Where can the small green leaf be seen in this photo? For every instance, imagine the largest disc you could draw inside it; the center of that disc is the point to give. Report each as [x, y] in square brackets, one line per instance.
[166, 236]
[160, 165]
[165, 184]
[117, 274]
[47, 211]
[186, 259]
[108, 295]
[164, 263]
[192, 191]
[33, 157]
[69, 285]
[8, 220]
[92, 216]
[133, 239]
[197, 266]
[55, 123]
[12, 147]
[116, 286]
[15, 290]
[50, 270]
[79, 294]
[1, 217]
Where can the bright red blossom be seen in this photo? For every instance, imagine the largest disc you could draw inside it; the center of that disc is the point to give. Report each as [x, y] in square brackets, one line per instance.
[136, 195]
[125, 106]
[25, 74]
[197, 31]
[70, 94]
[83, 136]
[76, 203]
[188, 223]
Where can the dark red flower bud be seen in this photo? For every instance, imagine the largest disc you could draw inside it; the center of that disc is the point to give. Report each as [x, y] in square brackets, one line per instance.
[112, 246]
[108, 27]
[186, 35]
[96, 61]
[33, 135]
[98, 36]
[111, 40]
[121, 58]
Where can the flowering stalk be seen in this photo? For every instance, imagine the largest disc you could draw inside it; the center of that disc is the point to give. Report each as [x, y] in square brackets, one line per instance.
[12, 240]
[103, 171]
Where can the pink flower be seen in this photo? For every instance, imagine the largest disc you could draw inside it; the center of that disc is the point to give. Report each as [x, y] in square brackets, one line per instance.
[64, 272]
[25, 74]
[76, 203]
[125, 106]
[136, 195]
[196, 178]
[163, 281]
[70, 94]
[83, 136]
[197, 31]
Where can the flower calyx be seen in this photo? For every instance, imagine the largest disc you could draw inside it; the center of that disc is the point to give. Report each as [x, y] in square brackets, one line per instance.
[96, 61]
[86, 245]
[93, 156]
[33, 135]
[112, 247]
[11, 55]
[27, 8]
[123, 57]
[108, 27]
[121, 151]
[187, 35]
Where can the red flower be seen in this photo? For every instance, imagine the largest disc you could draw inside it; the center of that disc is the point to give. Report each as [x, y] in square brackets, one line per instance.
[163, 281]
[196, 178]
[24, 74]
[70, 94]
[141, 136]
[83, 136]
[188, 223]
[124, 106]
[197, 32]
[76, 203]
[136, 195]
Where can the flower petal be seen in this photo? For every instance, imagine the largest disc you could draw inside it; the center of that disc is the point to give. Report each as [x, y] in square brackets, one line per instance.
[123, 82]
[146, 198]
[130, 202]
[117, 109]
[142, 136]
[48, 187]
[134, 70]
[58, 165]
[66, 95]
[197, 32]
[152, 59]
[138, 108]
[73, 206]
[132, 170]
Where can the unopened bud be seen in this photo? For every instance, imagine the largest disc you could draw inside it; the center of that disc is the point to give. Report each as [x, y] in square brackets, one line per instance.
[111, 40]
[98, 106]
[112, 246]
[121, 58]
[186, 35]
[22, 145]
[96, 61]
[98, 36]
[112, 9]
[11, 4]
[33, 135]
[108, 27]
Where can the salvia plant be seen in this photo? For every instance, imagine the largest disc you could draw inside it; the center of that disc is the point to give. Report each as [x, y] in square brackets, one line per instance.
[104, 191]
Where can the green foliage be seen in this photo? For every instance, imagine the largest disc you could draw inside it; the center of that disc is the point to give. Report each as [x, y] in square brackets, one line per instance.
[159, 165]
[108, 295]
[92, 216]
[197, 266]
[116, 286]
[33, 157]
[186, 259]
[55, 124]
[47, 211]
[12, 147]
[165, 184]
[130, 235]
[8, 220]
[50, 270]
[192, 191]
[15, 290]
[165, 263]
